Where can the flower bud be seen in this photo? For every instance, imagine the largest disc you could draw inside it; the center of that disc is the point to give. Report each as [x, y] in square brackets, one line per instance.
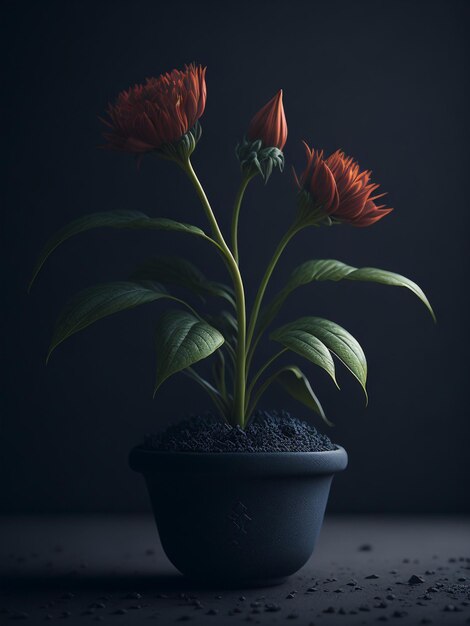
[261, 149]
[269, 124]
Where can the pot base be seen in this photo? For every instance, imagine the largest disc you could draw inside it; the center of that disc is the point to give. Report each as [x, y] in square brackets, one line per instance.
[238, 519]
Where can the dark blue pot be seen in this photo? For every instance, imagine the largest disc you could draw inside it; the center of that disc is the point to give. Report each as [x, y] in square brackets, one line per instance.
[238, 518]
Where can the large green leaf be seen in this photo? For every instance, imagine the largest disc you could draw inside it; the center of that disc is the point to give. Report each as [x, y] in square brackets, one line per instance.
[294, 381]
[313, 337]
[182, 273]
[330, 269]
[112, 219]
[99, 301]
[300, 338]
[182, 340]
[374, 275]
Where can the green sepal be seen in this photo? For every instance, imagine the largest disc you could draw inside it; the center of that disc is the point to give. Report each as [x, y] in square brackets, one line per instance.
[309, 212]
[254, 158]
[182, 149]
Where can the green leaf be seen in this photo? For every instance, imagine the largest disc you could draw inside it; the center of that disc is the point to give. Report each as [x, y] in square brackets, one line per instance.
[330, 269]
[112, 219]
[312, 337]
[182, 273]
[226, 323]
[182, 340]
[374, 275]
[99, 301]
[300, 338]
[294, 381]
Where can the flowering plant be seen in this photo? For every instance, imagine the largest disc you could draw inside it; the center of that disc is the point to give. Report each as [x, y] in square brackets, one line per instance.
[161, 117]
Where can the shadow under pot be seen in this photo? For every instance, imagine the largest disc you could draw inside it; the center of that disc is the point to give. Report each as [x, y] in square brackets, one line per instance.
[238, 519]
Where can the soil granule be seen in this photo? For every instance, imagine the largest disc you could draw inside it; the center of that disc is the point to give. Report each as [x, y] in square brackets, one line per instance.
[267, 431]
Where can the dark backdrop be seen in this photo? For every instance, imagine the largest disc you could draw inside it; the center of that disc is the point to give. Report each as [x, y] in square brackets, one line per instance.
[383, 80]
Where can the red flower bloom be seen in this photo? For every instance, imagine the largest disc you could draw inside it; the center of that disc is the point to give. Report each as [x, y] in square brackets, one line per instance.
[146, 117]
[337, 186]
[269, 124]
[318, 180]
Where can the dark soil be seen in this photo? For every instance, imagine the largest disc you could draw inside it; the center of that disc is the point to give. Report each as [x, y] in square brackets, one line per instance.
[268, 431]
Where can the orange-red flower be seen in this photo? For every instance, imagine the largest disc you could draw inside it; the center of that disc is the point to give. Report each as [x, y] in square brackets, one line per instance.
[269, 124]
[147, 117]
[337, 187]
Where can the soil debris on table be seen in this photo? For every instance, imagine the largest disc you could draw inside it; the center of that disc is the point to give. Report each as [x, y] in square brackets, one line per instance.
[326, 592]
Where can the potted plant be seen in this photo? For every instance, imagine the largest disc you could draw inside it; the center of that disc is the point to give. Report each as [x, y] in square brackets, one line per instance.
[238, 496]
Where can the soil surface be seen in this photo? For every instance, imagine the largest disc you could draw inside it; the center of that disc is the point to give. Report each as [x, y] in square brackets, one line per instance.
[268, 431]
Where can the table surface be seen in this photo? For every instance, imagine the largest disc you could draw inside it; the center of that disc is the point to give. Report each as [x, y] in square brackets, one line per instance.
[96, 568]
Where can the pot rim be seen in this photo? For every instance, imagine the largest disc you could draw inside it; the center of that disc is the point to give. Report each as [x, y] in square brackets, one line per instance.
[258, 463]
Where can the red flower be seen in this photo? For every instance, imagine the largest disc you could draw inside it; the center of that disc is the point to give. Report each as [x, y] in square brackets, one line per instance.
[269, 124]
[337, 186]
[318, 180]
[146, 117]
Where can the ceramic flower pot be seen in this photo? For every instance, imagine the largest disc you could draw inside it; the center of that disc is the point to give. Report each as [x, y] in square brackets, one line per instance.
[238, 518]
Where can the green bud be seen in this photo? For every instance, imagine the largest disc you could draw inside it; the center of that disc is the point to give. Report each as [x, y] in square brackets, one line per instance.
[256, 159]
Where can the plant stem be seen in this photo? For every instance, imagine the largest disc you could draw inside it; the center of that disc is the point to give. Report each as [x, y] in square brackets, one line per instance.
[213, 393]
[220, 377]
[236, 212]
[258, 375]
[240, 365]
[264, 283]
[260, 393]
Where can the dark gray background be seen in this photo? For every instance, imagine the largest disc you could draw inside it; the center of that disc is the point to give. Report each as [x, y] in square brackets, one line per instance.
[383, 80]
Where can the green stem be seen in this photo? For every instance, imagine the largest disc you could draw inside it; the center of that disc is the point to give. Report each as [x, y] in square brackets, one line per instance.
[231, 352]
[240, 376]
[236, 212]
[259, 373]
[264, 283]
[188, 306]
[209, 389]
[260, 393]
[220, 377]
[254, 345]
